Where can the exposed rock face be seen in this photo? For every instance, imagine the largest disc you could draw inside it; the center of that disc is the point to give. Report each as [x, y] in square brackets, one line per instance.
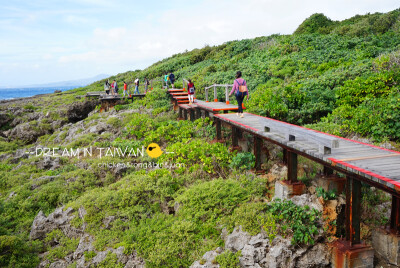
[48, 162]
[237, 240]
[25, 132]
[257, 251]
[60, 219]
[80, 110]
[4, 119]
[307, 200]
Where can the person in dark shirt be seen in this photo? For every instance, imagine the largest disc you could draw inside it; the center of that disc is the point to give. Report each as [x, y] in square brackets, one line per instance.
[172, 79]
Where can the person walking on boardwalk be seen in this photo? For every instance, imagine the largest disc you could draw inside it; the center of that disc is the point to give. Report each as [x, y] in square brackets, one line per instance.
[107, 87]
[146, 84]
[116, 87]
[113, 88]
[191, 90]
[240, 89]
[172, 79]
[137, 86]
[166, 78]
[125, 88]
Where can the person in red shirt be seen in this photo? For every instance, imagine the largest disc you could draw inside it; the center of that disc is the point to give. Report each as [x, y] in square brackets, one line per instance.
[125, 88]
[113, 87]
[191, 90]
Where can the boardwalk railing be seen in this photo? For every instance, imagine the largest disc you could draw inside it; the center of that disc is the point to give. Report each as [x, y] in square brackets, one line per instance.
[156, 81]
[214, 87]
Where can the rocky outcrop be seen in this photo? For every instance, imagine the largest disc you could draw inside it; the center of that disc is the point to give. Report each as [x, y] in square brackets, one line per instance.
[258, 251]
[48, 162]
[25, 132]
[60, 219]
[80, 110]
[4, 119]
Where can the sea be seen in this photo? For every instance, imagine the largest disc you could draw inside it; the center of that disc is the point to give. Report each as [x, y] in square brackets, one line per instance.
[13, 93]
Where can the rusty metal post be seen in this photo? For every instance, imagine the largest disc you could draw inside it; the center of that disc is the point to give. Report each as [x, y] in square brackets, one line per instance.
[327, 171]
[257, 152]
[292, 166]
[395, 215]
[353, 210]
[198, 112]
[180, 112]
[226, 95]
[191, 115]
[235, 140]
[185, 114]
[284, 157]
[218, 128]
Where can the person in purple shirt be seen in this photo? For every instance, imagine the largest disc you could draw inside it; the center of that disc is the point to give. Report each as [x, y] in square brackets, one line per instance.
[240, 89]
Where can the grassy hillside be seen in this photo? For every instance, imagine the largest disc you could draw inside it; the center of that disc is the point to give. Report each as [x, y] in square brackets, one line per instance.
[340, 77]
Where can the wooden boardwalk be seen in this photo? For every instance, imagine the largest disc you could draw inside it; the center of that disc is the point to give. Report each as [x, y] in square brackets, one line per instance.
[379, 166]
[215, 107]
[360, 162]
[105, 97]
[94, 93]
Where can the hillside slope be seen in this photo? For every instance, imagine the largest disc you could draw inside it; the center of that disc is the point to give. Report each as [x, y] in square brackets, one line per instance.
[329, 73]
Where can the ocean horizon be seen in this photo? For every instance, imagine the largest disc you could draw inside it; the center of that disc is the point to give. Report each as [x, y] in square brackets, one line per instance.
[23, 92]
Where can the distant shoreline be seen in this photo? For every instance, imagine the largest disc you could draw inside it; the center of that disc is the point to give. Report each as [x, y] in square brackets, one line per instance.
[13, 94]
[16, 99]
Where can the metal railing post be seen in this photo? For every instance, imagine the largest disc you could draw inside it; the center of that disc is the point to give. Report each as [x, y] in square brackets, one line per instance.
[206, 93]
[215, 94]
[226, 95]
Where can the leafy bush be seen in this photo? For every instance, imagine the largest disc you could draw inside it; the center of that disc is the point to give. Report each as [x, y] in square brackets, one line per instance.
[243, 161]
[316, 23]
[195, 154]
[65, 245]
[326, 195]
[302, 222]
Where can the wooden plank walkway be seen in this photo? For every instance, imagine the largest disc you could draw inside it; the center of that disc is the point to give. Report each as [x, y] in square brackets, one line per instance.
[380, 165]
[215, 107]
[95, 93]
[120, 97]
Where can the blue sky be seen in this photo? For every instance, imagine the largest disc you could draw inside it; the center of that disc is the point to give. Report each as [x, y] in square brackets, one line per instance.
[51, 41]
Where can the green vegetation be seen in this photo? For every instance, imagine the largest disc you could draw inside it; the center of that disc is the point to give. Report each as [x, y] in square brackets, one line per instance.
[228, 259]
[243, 161]
[326, 195]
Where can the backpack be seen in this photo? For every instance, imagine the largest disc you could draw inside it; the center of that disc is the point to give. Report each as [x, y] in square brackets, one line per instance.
[242, 88]
[191, 90]
[171, 77]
